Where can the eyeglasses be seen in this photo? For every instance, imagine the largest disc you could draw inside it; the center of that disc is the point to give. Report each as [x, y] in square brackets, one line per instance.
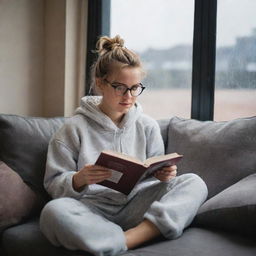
[121, 89]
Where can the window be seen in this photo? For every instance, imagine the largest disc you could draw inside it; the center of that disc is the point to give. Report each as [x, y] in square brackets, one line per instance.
[177, 43]
[161, 32]
[235, 81]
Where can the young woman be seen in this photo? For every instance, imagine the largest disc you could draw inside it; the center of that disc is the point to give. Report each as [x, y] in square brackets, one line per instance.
[87, 216]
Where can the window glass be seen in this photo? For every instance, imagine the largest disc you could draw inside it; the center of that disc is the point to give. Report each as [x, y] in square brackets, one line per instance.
[235, 80]
[161, 32]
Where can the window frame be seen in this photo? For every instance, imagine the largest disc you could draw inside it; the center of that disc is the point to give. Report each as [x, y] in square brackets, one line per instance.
[98, 24]
[204, 51]
[203, 60]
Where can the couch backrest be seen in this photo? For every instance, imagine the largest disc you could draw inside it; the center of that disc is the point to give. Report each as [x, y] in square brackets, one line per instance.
[24, 142]
[164, 125]
[23, 146]
[221, 153]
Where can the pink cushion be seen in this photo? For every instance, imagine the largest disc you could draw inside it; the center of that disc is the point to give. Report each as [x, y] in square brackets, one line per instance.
[17, 200]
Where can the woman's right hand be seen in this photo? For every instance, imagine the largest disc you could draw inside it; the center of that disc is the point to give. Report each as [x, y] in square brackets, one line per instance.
[90, 174]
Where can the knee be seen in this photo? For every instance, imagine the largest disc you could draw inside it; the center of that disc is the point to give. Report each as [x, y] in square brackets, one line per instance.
[197, 183]
[48, 212]
[53, 210]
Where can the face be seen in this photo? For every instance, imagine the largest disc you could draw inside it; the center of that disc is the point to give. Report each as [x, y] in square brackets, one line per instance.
[112, 104]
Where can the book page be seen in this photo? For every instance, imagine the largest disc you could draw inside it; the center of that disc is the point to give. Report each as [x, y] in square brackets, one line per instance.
[122, 156]
[156, 159]
[115, 176]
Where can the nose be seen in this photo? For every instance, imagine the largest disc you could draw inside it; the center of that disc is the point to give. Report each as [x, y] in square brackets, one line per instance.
[127, 93]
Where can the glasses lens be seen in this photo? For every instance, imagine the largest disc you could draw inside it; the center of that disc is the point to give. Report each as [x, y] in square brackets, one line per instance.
[136, 90]
[120, 89]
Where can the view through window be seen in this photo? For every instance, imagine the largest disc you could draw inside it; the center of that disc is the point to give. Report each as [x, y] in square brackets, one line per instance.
[161, 32]
[235, 81]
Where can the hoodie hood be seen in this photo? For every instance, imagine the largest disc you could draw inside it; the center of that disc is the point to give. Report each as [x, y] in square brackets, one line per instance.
[90, 108]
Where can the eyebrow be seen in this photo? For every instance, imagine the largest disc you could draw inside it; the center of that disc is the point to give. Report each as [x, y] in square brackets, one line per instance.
[125, 84]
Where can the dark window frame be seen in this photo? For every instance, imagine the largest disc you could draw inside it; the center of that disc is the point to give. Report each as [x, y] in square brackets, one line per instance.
[98, 24]
[204, 50]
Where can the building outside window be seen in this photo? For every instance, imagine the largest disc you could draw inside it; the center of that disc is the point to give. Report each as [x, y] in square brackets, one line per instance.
[161, 32]
[235, 80]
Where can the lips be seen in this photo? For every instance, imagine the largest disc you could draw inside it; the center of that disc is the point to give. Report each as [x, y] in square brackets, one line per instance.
[125, 104]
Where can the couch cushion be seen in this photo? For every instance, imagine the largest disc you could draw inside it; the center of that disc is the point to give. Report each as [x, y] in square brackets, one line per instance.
[17, 200]
[221, 153]
[234, 209]
[199, 242]
[23, 145]
[164, 124]
[27, 239]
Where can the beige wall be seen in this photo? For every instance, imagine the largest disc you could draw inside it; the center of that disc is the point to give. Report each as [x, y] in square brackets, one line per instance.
[21, 56]
[42, 56]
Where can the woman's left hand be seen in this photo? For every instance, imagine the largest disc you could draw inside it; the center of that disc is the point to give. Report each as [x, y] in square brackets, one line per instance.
[166, 173]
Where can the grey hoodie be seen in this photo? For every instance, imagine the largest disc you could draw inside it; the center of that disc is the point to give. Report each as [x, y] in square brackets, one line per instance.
[81, 139]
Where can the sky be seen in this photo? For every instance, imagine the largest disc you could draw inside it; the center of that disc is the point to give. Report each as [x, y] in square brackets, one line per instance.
[165, 23]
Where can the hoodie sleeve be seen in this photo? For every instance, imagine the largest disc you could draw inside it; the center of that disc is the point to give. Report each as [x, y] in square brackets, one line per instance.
[61, 165]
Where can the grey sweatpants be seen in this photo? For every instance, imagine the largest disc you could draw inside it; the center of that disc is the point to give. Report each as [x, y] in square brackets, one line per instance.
[82, 225]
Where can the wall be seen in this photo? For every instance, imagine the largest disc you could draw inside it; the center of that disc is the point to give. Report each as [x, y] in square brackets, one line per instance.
[21, 56]
[75, 57]
[42, 56]
[54, 87]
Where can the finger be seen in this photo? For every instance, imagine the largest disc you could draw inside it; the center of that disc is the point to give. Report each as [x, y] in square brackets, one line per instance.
[99, 167]
[96, 180]
[170, 168]
[173, 173]
[95, 172]
[162, 178]
[163, 174]
[94, 166]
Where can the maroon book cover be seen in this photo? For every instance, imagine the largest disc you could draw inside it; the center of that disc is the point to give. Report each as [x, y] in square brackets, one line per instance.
[127, 171]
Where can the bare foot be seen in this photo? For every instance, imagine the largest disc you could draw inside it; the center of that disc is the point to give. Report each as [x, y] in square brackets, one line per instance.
[140, 234]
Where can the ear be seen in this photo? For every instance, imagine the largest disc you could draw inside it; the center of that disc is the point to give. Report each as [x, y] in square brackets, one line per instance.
[99, 85]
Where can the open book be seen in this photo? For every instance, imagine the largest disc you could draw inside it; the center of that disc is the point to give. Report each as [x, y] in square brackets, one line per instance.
[127, 170]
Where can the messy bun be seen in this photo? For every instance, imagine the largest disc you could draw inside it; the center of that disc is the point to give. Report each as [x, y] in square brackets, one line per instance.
[106, 44]
[112, 54]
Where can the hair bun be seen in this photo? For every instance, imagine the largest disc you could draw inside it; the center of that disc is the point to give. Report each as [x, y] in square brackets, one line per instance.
[107, 44]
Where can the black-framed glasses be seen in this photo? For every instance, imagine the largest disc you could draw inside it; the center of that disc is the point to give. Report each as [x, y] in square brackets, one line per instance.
[121, 89]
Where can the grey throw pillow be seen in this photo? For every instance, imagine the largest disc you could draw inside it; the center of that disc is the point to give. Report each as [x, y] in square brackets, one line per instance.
[23, 146]
[222, 153]
[234, 209]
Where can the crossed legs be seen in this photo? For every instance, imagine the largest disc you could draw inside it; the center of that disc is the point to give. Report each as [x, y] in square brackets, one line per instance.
[77, 226]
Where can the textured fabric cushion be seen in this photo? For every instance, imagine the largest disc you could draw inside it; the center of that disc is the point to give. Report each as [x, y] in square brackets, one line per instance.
[164, 124]
[23, 145]
[222, 153]
[27, 239]
[17, 200]
[234, 209]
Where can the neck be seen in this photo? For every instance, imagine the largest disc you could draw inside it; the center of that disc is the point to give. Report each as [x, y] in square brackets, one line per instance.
[114, 116]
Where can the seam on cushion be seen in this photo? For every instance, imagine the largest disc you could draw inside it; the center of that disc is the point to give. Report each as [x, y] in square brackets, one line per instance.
[227, 208]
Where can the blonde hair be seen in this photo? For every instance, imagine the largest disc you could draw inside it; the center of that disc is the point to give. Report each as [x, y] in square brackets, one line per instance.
[111, 55]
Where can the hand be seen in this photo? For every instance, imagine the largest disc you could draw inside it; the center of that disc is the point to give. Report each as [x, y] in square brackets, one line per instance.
[166, 173]
[90, 174]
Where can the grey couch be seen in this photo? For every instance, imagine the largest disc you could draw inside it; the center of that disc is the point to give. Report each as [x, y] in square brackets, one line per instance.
[222, 153]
